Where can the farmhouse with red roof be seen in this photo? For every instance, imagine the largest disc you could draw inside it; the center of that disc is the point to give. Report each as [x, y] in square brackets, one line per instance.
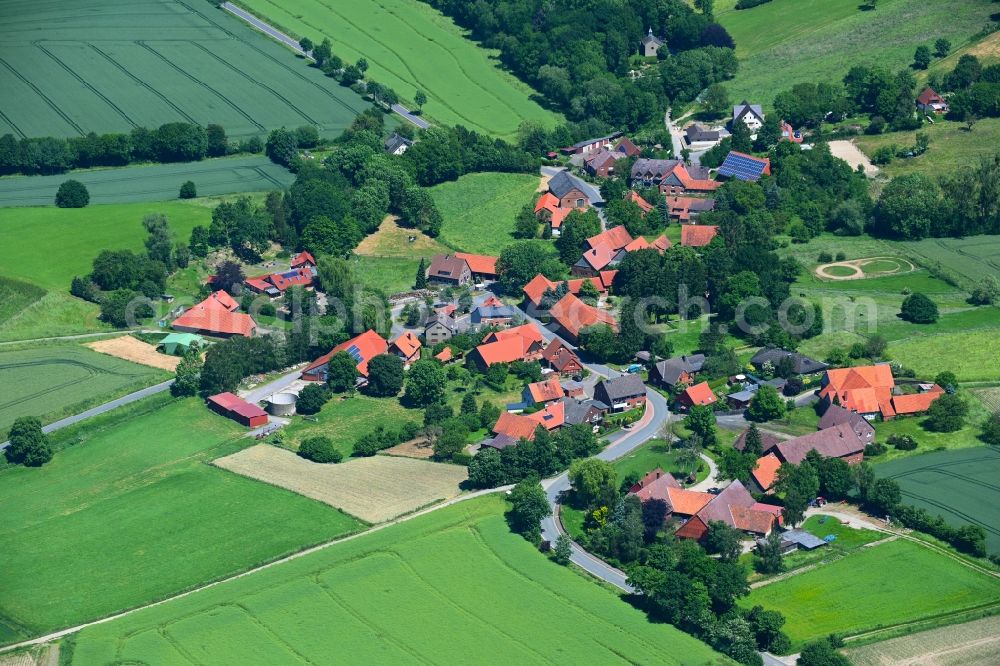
[215, 316]
[571, 316]
[362, 348]
[698, 235]
[521, 343]
[238, 409]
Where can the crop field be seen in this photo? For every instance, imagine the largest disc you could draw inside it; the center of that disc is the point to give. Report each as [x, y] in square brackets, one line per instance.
[889, 584]
[15, 296]
[111, 65]
[364, 487]
[379, 598]
[479, 209]
[51, 381]
[971, 258]
[970, 644]
[785, 42]
[410, 46]
[131, 512]
[135, 350]
[978, 361]
[157, 182]
[113, 227]
[960, 486]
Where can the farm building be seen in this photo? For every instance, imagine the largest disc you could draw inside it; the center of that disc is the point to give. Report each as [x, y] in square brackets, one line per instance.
[800, 363]
[362, 348]
[238, 409]
[672, 177]
[482, 266]
[216, 316]
[178, 344]
[698, 235]
[397, 144]
[562, 359]
[697, 133]
[303, 260]
[275, 284]
[407, 347]
[836, 415]
[493, 315]
[765, 473]
[449, 269]
[871, 391]
[602, 163]
[686, 209]
[571, 315]
[439, 328]
[929, 101]
[521, 343]
[621, 393]
[734, 506]
[591, 145]
[578, 411]
[571, 191]
[768, 440]
[548, 211]
[837, 442]
[536, 288]
[744, 167]
[543, 392]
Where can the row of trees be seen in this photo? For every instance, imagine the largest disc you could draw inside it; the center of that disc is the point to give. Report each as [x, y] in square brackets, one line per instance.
[170, 142]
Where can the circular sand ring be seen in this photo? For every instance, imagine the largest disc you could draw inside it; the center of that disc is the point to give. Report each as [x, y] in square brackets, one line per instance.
[856, 267]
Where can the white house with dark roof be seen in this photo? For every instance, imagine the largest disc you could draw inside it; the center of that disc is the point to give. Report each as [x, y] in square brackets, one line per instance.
[752, 115]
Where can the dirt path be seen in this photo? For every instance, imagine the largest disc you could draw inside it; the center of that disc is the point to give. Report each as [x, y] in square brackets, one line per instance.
[856, 265]
[850, 153]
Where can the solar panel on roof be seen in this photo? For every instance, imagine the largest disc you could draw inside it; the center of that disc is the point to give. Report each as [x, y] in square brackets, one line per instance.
[355, 353]
[742, 167]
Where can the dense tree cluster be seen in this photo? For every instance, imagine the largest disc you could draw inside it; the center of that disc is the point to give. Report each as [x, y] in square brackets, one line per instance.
[445, 153]
[542, 457]
[171, 142]
[579, 56]
[29, 446]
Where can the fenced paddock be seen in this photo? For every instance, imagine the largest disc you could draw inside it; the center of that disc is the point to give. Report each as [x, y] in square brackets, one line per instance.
[69, 68]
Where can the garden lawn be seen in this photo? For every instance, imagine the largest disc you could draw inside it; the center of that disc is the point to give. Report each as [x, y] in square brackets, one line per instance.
[155, 182]
[952, 146]
[411, 46]
[131, 513]
[106, 66]
[889, 584]
[345, 419]
[379, 592]
[479, 209]
[651, 455]
[960, 486]
[785, 42]
[50, 381]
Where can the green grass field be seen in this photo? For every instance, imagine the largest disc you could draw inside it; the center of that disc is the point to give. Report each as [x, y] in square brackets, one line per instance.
[651, 455]
[889, 584]
[410, 46]
[960, 486]
[109, 66]
[479, 209]
[344, 420]
[793, 41]
[81, 234]
[978, 360]
[15, 296]
[51, 381]
[157, 182]
[131, 513]
[375, 599]
[952, 147]
[970, 258]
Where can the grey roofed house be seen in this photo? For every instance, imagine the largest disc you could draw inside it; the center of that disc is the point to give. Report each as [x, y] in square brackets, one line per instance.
[610, 391]
[670, 371]
[767, 440]
[701, 205]
[836, 415]
[801, 364]
[583, 411]
[803, 539]
[646, 169]
[587, 142]
[564, 182]
[837, 442]
[697, 133]
[397, 144]
[742, 397]
[492, 312]
[500, 442]
[746, 108]
[651, 44]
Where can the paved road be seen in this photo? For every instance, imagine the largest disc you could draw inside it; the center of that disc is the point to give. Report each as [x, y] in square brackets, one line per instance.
[293, 44]
[276, 386]
[106, 407]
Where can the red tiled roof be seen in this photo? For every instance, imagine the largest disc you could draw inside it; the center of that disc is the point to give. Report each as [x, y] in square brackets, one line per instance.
[547, 201]
[914, 403]
[237, 405]
[687, 502]
[259, 283]
[658, 487]
[527, 331]
[695, 184]
[614, 238]
[515, 425]
[407, 344]
[929, 96]
[510, 345]
[626, 146]
[751, 520]
[552, 417]
[559, 356]
[573, 315]
[444, 355]
[224, 299]
[303, 259]
[698, 235]
[700, 394]
[545, 391]
[653, 476]
[212, 315]
[662, 244]
[644, 205]
[491, 302]
[600, 256]
[766, 471]
[537, 287]
[864, 389]
[370, 344]
[639, 243]
[479, 263]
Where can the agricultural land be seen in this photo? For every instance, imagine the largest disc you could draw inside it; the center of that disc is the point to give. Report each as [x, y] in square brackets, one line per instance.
[129, 512]
[376, 590]
[106, 66]
[55, 380]
[888, 584]
[960, 486]
[971, 644]
[370, 488]
[410, 46]
[157, 182]
[784, 42]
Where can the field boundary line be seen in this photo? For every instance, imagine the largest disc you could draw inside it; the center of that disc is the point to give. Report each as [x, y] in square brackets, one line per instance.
[204, 85]
[267, 565]
[44, 97]
[13, 126]
[993, 608]
[38, 45]
[166, 100]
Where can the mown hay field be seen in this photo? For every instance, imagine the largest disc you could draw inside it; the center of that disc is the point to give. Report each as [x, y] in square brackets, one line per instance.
[157, 182]
[479, 210]
[380, 598]
[889, 584]
[960, 486]
[372, 489]
[132, 349]
[51, 381]
[131, 513]
[973, 643]
[110, 65]
[785, 42]
[410, 46]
